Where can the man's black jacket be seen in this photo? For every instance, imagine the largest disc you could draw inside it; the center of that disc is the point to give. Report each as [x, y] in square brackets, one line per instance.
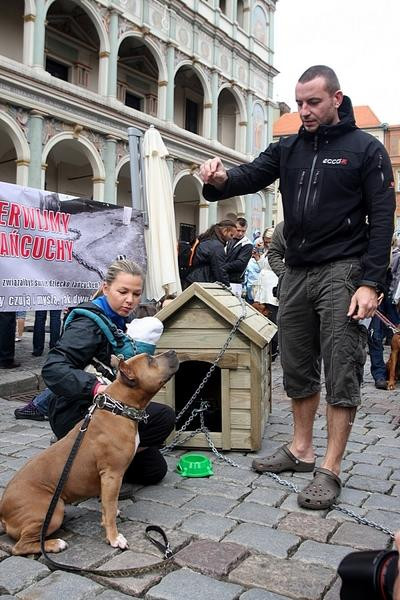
[238, 254]
[337, 191]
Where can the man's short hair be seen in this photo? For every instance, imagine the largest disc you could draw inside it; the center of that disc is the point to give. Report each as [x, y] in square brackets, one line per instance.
[332, 82]
[241, 221]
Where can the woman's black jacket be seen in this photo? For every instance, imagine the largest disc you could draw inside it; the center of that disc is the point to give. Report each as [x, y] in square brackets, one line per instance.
[63, 371]
[209, 263]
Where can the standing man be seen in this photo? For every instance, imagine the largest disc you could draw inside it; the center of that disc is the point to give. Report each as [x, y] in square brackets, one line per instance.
[238, 254]
[338, 199]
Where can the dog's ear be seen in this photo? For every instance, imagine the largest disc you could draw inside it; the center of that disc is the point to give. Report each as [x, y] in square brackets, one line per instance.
[114, 361]
[127, 374]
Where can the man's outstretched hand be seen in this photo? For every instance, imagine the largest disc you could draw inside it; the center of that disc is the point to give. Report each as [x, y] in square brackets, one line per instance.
[213, 172]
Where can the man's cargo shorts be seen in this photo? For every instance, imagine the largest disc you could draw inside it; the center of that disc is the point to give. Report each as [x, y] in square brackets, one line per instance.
[313, 325]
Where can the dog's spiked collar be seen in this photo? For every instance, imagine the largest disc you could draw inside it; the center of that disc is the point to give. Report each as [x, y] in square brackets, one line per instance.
[105, 402]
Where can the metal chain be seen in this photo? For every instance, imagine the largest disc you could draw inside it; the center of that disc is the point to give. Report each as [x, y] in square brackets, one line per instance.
[81, 261]
[219, 356]
[203, 429]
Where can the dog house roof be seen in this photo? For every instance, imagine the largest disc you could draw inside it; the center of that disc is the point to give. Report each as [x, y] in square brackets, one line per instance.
[255, 326]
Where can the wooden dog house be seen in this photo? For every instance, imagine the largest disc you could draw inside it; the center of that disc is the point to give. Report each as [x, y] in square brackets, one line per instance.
[196, 325]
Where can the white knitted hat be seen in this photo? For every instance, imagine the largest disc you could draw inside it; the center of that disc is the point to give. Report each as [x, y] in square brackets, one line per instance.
[146, 329]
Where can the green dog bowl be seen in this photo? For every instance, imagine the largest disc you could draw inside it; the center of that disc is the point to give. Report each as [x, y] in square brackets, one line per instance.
[194, 465]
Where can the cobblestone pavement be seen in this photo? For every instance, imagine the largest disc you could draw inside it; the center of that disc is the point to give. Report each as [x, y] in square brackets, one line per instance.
[237, 535]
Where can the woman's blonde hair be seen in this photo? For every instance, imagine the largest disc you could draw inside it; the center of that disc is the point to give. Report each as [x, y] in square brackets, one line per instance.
[116, 267]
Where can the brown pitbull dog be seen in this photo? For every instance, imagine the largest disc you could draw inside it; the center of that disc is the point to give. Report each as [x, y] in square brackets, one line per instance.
[393, 364]
[107, 448]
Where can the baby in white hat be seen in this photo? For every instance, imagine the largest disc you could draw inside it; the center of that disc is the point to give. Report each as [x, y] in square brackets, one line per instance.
[145, 332]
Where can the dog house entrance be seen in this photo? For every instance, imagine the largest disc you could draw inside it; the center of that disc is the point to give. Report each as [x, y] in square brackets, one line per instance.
[188, 378]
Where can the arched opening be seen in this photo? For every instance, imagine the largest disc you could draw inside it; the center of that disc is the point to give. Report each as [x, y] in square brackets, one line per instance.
[8, 157]
[240, 13]
[12, 29]
[72, 45]
[186, 205]
[259, 129]
[124, 197]
[228, 119]
[68, 170]
[137, 76]
[188, 100]
[260, 25]
[227, 209]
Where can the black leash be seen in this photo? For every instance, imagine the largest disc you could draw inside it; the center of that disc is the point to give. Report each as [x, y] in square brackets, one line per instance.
[165, 547]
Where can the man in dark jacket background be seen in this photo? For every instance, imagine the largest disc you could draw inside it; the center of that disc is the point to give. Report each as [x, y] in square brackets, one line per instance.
[238, 254]
[338, 199]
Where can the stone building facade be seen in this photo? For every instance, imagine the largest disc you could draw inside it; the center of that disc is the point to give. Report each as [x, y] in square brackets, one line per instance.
[75, 74]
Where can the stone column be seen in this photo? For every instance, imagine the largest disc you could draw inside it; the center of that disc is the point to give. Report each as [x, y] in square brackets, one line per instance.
[39, 35]
[169, 113]
[249, 131]
[113, 58]
[22, 172]
[214, 106]
[29, 35]
[110, 152]
[35, 142]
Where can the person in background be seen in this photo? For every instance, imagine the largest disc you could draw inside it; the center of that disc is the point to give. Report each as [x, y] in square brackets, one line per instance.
[264, 286]
[338, 199]
[39, 330]
[276, 250]
[238, 254]
[8, 325]
[377, 330]
[253, 270]
[209, 261]
[20, 317]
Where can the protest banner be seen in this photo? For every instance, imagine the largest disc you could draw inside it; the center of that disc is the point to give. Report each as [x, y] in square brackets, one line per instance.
[55, 249]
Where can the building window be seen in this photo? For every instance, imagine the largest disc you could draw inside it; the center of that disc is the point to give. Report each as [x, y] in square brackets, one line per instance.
[240, 13]
[222, 5]
[191, 116]
[133, 101]
[57, 69]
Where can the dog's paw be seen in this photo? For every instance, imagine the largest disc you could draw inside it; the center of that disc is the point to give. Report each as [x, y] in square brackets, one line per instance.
[120, 542]
[59, 545]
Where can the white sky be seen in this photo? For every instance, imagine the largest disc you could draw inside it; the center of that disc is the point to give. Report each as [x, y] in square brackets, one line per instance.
[359, 39]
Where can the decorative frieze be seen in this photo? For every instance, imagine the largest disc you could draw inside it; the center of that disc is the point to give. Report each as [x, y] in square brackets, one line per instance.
[53, 126]
[179, 166]
[20, 116]
[121, 151]
[125, 26]
[97, 140]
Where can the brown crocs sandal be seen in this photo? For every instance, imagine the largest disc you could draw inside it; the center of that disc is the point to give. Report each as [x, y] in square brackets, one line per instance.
[282, 460]
[322, 492]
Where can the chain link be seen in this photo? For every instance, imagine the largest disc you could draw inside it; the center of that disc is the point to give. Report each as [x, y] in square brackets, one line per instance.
[81, 261]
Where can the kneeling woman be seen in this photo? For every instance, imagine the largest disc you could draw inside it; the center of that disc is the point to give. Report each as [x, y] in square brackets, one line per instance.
[74, 388]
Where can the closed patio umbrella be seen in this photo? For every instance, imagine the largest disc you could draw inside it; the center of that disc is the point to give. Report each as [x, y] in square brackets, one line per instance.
[162, 269]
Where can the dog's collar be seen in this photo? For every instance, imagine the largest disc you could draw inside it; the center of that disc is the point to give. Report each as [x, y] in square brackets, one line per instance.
[105, 402]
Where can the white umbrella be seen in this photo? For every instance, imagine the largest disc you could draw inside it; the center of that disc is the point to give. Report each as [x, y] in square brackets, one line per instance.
[162, 269]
